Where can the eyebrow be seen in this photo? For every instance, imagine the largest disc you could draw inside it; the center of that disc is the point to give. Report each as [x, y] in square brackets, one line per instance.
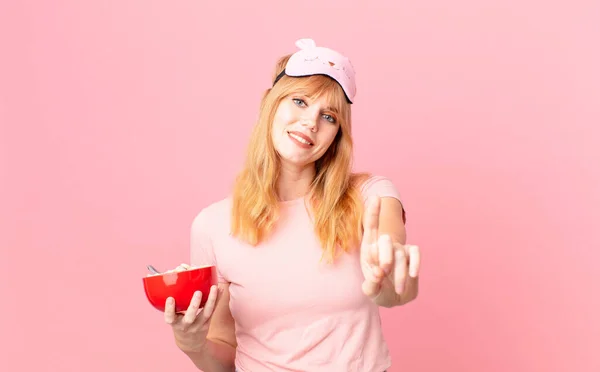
[303, 95]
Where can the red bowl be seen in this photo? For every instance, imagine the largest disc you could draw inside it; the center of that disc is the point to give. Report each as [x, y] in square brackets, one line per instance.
[181, 286]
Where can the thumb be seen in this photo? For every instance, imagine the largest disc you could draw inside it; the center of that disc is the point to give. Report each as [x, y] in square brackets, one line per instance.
[371, 289]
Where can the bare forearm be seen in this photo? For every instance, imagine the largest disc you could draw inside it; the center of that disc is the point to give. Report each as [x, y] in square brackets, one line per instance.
[214, 357]
[388, 296]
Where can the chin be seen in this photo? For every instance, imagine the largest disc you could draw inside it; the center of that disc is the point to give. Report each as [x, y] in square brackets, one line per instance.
[295, 160]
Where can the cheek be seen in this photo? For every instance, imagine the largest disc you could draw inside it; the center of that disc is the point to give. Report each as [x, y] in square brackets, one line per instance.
[278, 131]
[284, 115]
[329, 135]
[278, 125]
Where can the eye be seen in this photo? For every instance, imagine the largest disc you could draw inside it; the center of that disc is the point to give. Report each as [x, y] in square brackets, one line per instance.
[329, 118]
[299, 102]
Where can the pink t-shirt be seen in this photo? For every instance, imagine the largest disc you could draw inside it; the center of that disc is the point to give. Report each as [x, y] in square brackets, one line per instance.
[291, 311]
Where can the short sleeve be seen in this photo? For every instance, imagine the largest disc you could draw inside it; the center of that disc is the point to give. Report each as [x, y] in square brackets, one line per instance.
[201, 247]
[382, 187]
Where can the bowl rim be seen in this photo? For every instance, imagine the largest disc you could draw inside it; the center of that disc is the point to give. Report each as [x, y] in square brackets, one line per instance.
[195, 268]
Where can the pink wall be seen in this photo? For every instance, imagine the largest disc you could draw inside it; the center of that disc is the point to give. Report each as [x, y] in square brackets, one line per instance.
[119, 120]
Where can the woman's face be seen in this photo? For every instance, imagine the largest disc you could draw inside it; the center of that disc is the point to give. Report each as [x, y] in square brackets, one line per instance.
[303, 129]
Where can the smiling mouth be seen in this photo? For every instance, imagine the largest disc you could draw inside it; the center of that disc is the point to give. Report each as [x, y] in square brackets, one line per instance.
[300, 139]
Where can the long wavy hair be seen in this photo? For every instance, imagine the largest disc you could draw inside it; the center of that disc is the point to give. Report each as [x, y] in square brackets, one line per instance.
[335, 200]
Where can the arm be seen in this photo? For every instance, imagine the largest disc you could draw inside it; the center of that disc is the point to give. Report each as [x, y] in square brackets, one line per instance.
[391, 222]
[217, 354]
[217, 350]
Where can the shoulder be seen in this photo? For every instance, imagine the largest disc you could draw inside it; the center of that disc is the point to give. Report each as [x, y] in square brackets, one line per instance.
[376, 185]
[213, 215]
[381, 186]
[208, 223]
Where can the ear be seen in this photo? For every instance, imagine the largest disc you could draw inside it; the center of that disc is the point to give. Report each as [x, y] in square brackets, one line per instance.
[306, 43]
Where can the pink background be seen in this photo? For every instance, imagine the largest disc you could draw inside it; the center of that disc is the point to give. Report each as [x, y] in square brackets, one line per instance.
[121, 119]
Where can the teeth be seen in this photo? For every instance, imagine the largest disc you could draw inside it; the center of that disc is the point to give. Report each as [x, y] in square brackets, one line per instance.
[300, 139]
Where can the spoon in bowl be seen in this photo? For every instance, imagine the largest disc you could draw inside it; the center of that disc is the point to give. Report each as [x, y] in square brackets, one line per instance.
[152, 269]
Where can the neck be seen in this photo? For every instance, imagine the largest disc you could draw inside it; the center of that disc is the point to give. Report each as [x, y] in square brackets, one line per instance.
[294, 181]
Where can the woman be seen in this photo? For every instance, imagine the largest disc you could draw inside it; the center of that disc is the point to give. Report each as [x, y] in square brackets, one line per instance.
[306, 251]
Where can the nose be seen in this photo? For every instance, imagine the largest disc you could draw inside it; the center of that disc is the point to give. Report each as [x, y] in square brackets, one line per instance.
[310, 122]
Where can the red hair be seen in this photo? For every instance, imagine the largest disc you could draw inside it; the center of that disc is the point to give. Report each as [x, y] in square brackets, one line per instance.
[335, 199]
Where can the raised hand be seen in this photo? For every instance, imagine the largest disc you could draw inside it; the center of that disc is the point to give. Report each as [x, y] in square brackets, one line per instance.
[383, 259]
